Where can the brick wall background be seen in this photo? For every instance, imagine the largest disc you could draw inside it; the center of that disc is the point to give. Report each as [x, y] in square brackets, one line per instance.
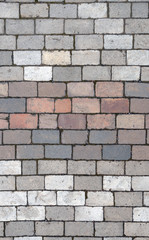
[74, 120]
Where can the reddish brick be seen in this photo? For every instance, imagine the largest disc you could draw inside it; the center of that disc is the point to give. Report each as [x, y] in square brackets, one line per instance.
[23, 121]
[52, 89]
[119, 105]
[140, 152]
[48, 121]
[72, 121]
[109, 89]
[40, 105]
[85, 105]
[3, 121]
[139, 105]
[63, 106]
[101, 121]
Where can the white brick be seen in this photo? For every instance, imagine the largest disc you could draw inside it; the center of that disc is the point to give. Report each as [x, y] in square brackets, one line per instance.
[140, 183]
[10, 167]
[37, 73]
[7, 42]
[138, 57]
[59, 182]
[109, 26]
[92, 10]
[117, 42]
[29, 238]
[34, 10]
[146, 198]
[115, 183]
[125, 73]
[30, 213]
[7, 183]
[9, 10]
[27, 57]
[42, 198]
[141, 214]
[71, 198]
[100, 199]
[85, 57]
[56, 57]
[88, 214]
[7, 213]
[12, 198]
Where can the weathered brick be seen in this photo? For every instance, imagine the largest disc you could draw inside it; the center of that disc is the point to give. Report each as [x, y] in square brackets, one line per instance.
[108, 26]
[1, 26]
[146, 199]
[16, 137]
[49, 26]
[141, 41]
[73, 198]
[141, 214]
[48, 121]
[30, 42]
[37, 73]
[118, 214]
[138, 57]
[115, 152]
[137, 26]
[31, 213]
[49, 228]
[74, 137]
[63, 11]
[117, 105]
[22, 89]
[96, 73]
[52, 89]
[52, 167]
[59, 182]
[5, 58]
[110, 167]
[3, 90]
[59, 42]
[102, 121]
[85, 105]
[34, 10]
[63, 105]
[130, 121]
[66, 74]
[79, 26]
[19, 228]
[29, 167]
[113, 57]
[88, 183]
[147, 121]
[3, 121]
[125, 73]
[58, 151]
[78, 229]
[114, 183]
[87, 152]
[139, 10]
[56, 57]
[81, 167]
[140, 183]
[42, 198]
[109, 89]
[10, 105]
[128, 199]
[119, 10]
[131, 136]
[30, 183]
[108, 229]
[27, 57]
[14, 26]
[7, 152]
[9, 10]
[139, 105]
[140, 152]
[118, 42]
[40, 105]
[137, 168]
[45, 136]
[7, 183]
[102, 137]
[82, 89]
[89, 214]
[88, 41]
[71, 121]
[23, 121]
[10, 167]
[86, 57]
[60, 213]
[92, 10]
[13, 198]
[7, 213]
[136, 229]
[11, 73]
[7, 42]
[30, 152]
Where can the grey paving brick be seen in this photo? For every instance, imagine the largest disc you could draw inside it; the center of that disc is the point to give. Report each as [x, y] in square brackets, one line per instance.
[87, 152]
[49, 26]
[34, 10]
[49, 228]
[45, 136]
[30, 42]
[17, 137]
[108, 229]
[15, 27]
[81, 167]
[11, 105]
[30, 152]
[115, 152]
[52, 167]
[11, 73]
[128, 199]
[78, 229]
[5, 58]
[22, 89]
[74, 137]
[96, 73]
[7, 152]
[140, 10]
[63, 11]
[30, 183]
[59, 42]
[88, 183]
[88, 41]
[137, 26]
[102, 137]
[7, 183]
[113, 57]
[78, 26]
[137, 90]
[60, 213]
[7, 42]
[9, 10]
[120, 10]
[66, 74]
[29, 167]
[1, 26]
[19, 228]
[118, 214]
[58, 151]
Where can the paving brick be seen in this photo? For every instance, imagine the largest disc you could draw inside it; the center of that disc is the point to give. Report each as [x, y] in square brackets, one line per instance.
[49, 228]
[137, 168]
[30, 152]
[89, 41]
[23, 121]
[130, 121]
[141, 214]
[96, 73]
[117, 105]
[102, 137]
[146, 199]
[110, 168]
[14, 26]
[9, 10]
[108, 229]
[59, 182]
[102, 121]
[71, 121]
[66, 74]
[139, 105]
[7, 42]
[51, 89]
[63, 106]
[89, 214]
[40, 105]
[45, 136]
[131, 136]
[103, 26]
[109, 89]
[11, 73]
[22, 89]
[92, 10]
[56, 57]
[49, 26]
[19, 228]
[37, 73]
[10, 105]
[137, 90]
[87, 152]
[118, 42]
[34, 10]
[79, 26]
[113, 57]
[82, 89]
[99, 198]
[140, 152]
[5, 58]
[30, 42]
[137, 26]
[7, 213]
[125, 73]
[141, 41]
[42, 198]
[10, 167]
[1, 229]
[7, 183]
[63, 11]
[74, 137]
[115, 152]
[13, 198]
[52, 167]
[120, 183]
[58, 151]
[3, 90]
[79, 229]
[60, 213]
[136, 229]
[27, 57]
[30, 183]
[118, 214]
[1, 26]
[86, 57]
[3, 121]
[48, 121]
[140, 183]
[81, 167]
[7, 152]
[139, 10]
[119, 10]
[59, 42]
[138, 57]
[85, 105]
[128, 199]
[31, 213]
[17, 137]
[29, 167]
[88, 183]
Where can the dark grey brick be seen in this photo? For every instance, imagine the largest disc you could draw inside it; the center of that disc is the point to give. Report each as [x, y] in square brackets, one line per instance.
[30, 152]
[12, 105]
[116, 152]
[49, 228]
[18, 229]
[45, 136]
[88, 183]
[102, 137]
[58, 151]
[78, 229]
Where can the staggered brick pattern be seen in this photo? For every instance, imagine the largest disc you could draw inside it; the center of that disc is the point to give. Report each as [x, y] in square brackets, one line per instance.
[74, 120]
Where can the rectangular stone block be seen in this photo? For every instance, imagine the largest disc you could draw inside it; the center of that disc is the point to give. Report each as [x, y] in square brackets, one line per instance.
[92, 10]
[110, 167]
[22, 89]
[49, 26]
[87, 152]
[1, 26]
[58, 151]
[120, 183]
[137, 26]
[3, 89]
[49, 228]
[88, 214]
[139, 10]
[30, 183]
[104, 26]
[66, 74]
[138, 57]
[7, 183]
[130, 121]
[102, 137]
[7, 214]
[72, 121]
[42, 198]
[30, 42]
[108, 229]
[18, 228]
[37, 73]
[9, 10]
[109, 89]
[74, 137]
[27, 57]
[11, 73]
[141, 214]
[59, 42]
[128, 199]
[45, 136]
[7, 152]
[59, 182]
[29, 167]
[52, 167]
[13, 198]
[118, 41]
[141, 41]
[16, 137]
[136, 229]
[82, 89]
[81, 167]
[78, 229]
[118, 214]
[85, 105]
[125, 73]
[23, 121]
[131, 136]
[5, 58]
[115, 152]
[101, 121]
[146, 199]
[72, 198]
[137, 90]
[34, 10]
[40, 105]
[14, 26]
[137, 168]
[140, 183]
[30, 152]
[117, 105]
[87, 57]
[79, 26]
[113, 57]
[120, 10]
[11, 105]
[56, 57]
[10, 167]
[88, 183]
[89, 41]
[63, 11]
[60, 213]
[31, 213]
[99, 199]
